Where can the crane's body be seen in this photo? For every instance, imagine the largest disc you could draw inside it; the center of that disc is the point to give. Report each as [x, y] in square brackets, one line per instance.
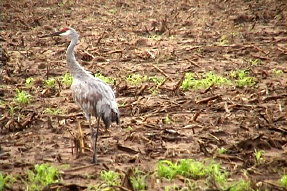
[95, 97]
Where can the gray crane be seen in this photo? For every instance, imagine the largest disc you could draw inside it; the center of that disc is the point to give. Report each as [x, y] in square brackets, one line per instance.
[95, 97]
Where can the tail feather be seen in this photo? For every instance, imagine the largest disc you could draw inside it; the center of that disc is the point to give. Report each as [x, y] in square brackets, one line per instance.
[110, 116]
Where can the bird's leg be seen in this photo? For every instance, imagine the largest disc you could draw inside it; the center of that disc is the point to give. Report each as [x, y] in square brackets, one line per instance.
[93, 140]
[96, 140]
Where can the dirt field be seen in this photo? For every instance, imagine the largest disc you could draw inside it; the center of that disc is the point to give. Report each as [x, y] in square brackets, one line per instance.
[152, 38]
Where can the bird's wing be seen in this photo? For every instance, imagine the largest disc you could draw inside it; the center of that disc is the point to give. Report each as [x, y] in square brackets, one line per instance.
[93, 96]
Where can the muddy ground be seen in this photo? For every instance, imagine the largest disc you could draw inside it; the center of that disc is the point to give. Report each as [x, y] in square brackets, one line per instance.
[152, 38]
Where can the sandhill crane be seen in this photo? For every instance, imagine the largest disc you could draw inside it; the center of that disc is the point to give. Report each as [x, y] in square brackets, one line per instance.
[95, 97]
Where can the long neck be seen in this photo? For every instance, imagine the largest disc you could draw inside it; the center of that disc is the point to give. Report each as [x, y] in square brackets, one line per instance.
[74, 67]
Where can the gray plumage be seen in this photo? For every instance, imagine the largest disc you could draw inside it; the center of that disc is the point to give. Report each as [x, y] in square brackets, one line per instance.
[95, 97]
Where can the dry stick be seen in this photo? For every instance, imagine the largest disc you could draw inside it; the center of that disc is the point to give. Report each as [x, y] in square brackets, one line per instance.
[81, 140]
[179, 83]
[193, 63]
[162, 72]
[100, 38]
[122, 188]
[29, 120]
[47, 71]
[274, 97]
[194, 118]
[79, 168]
[204, 100]
[141, 90]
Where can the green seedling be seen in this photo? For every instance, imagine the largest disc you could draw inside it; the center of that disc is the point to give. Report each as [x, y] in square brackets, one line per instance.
[174, 187]
[136, 79]
[67, 79]
[276, 72]
[242, 79]
[41, 176]
[50, 83]
[129, 128]
[158, 80]
[2, 102]
[122, 104]
[207, 80]
[221, 150]
[108, 80]
[185, 167]
[259, 156]
[167, 120]
[187, 82]
[254, 62]
[111, 178]
[5, 181]
[283, 181]
[166, 169]
[217, 175]
[95, 188]
[29, 82]
[138, 180]
[153, 90]
[191, 169]
[22, 97]
[155, 37]
[53, 111]
[241, 185]
[223, 41]
[12, 110]
[113, 11]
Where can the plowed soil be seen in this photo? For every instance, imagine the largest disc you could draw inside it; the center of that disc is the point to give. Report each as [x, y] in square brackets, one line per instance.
[151, 38]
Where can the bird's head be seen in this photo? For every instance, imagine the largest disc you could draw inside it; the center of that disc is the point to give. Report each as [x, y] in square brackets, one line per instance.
[65, 32]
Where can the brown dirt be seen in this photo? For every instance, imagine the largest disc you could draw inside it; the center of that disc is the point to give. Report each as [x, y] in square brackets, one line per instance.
[153, 38]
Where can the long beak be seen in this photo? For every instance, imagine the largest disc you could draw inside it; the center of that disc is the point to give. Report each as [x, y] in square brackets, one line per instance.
[53, 34]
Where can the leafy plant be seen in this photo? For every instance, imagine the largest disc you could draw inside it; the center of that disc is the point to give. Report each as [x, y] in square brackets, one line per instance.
[158, 80]
[241, 185]
[2, 102]
[155, 37]
[221, 150]
[242, 78]
[50, 83]
[29, 82]
[283, 181]
[223, 40]
[254, 62]
[67, 79]
[12, 110]
[259, 156]
[136, 79]
[166, 169]
[94, 188]
[205, 81]
[167, 119]
[276, 72]
[184, 167]
[217, 174]
[189, 168]
[108, 80]
[187, 82]
[138, 181]
[22, 97]
[111, 178]
[53, 111]
[41, 176]
[5, 180]
[113, 11]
